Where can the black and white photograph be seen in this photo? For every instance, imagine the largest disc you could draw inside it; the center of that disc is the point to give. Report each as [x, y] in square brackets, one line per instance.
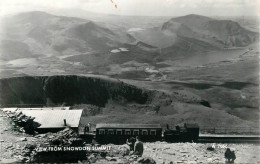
[129, 81]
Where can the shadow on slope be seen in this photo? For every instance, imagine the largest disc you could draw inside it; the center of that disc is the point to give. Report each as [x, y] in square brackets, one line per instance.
[69, 90]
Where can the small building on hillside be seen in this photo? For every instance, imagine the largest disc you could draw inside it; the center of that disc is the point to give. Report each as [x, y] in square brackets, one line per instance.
[51, 119]
[55, 120]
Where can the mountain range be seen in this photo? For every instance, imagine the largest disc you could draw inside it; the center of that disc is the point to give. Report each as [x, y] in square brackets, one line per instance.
[36, 33]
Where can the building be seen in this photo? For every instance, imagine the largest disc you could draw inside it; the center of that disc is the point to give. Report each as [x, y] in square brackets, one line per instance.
[51, 120]
[55, 120]
[118, 133]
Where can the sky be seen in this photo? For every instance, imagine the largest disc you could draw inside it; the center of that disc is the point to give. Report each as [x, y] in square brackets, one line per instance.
[139, 7]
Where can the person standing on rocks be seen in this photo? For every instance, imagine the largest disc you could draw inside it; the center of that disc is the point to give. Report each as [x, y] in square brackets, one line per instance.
[85, 130]
[131, 143]
[139, 147]
[233, 156]
[89, 127]
[228, 155]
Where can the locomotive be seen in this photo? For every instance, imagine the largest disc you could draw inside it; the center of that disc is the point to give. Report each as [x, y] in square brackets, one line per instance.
[118, 133]
[187, 133]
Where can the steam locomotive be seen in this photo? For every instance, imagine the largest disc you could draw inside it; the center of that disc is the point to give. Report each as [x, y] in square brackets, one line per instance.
[187, 133]
[118, 133]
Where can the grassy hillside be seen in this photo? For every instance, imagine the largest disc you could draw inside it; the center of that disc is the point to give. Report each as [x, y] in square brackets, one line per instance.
[116, 101]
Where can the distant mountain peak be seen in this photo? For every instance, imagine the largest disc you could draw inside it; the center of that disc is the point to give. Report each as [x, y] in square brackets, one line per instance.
[196, 16]
[91, 24]
[192, 18]
[39, 14]
[36, 12]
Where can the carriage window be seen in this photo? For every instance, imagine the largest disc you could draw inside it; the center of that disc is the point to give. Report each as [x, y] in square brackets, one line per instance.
[153, 132]
[144, 132]
[127, 132]
[110, 131]
[119, 132]
[101, 131]
[136, 132]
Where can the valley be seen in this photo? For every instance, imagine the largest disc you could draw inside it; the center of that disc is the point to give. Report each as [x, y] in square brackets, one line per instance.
[192, 69]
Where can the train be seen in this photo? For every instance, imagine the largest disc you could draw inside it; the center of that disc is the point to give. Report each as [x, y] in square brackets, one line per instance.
[119, 133]
[188, 133]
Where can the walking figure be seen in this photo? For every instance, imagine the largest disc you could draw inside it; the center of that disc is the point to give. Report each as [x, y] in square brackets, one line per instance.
[230, 156]
[139, 147]
[86, 129]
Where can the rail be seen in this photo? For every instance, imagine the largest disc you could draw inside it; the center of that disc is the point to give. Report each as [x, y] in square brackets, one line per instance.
[236, 130]
[225, 130]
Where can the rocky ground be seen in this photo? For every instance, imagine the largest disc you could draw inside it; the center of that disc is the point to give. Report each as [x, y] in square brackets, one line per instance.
[11, 142]
[198, 153]
[19, 147]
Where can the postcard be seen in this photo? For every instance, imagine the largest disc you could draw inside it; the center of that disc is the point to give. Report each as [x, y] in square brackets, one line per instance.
[129, 81]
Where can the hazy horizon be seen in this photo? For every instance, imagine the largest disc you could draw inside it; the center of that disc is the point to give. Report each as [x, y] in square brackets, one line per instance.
[137, 7]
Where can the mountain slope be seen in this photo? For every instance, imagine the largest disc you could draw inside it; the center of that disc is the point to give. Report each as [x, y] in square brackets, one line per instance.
[67, 89]
[217, 33]
[57, 35]
[192, 21]
[226, 32]
[14, 50]
[177, 31]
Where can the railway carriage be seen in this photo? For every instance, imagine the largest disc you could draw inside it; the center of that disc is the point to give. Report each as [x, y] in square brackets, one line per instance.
[119, 133]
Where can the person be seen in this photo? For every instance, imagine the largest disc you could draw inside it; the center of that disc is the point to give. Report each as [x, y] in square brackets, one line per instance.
[233, 156]
[29, 128]
[89, 126]
[85, 129]
[228, 155]
[139, 147]
[131, 143]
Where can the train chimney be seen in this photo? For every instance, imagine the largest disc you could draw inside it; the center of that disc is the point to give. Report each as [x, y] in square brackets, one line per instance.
[65, 123]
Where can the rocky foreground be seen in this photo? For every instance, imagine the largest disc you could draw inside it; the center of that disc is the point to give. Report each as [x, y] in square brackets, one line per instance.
[20, 147]
[198, 153]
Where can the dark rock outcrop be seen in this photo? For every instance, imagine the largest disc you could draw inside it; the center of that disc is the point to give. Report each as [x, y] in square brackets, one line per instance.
[69, 90]
[205, 103]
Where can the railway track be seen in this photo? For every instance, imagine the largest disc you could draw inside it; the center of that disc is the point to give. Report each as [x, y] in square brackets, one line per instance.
[209, 138]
